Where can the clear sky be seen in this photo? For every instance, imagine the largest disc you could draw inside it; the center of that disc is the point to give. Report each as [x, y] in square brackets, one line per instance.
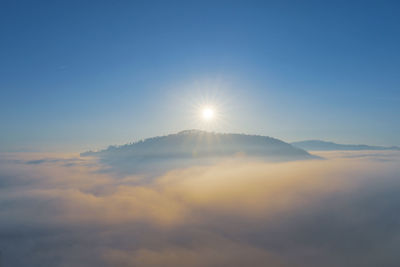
[77, 75]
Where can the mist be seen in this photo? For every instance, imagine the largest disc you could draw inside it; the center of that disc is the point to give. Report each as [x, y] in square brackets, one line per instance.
[64, 210]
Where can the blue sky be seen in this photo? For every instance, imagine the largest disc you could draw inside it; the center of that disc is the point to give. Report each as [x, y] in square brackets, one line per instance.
[77, 75]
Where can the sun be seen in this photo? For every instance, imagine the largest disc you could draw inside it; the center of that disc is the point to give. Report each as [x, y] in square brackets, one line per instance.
[207, 113]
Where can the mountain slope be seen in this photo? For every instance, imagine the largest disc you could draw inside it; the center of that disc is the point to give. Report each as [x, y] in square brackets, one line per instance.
[319, 145]
[196, 146]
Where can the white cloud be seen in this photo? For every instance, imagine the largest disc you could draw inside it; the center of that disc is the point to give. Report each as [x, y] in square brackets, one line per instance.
[336, 212]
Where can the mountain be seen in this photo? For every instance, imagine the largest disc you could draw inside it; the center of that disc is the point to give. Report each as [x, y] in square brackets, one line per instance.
[193, 147]
[318, 145]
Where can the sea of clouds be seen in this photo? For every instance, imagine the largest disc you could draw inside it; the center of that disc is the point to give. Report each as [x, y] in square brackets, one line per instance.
[64, 210]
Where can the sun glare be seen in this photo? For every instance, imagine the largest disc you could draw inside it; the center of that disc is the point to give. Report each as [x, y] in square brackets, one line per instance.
[207, 113]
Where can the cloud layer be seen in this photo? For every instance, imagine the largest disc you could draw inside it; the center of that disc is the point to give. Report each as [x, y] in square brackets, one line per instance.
[62, 211]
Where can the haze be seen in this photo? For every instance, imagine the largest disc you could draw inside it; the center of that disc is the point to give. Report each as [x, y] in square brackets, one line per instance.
[199, 133]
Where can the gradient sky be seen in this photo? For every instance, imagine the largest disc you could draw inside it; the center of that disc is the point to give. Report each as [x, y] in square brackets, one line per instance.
[77, 75]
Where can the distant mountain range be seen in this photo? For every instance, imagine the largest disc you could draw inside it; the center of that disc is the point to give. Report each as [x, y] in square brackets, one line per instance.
[195, 146]
[319, 145]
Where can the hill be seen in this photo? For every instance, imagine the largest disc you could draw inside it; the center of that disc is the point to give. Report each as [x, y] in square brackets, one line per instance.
[194, 146]
[319, 145]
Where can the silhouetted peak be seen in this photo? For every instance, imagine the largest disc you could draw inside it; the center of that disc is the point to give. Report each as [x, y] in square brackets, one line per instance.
[327, 145]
